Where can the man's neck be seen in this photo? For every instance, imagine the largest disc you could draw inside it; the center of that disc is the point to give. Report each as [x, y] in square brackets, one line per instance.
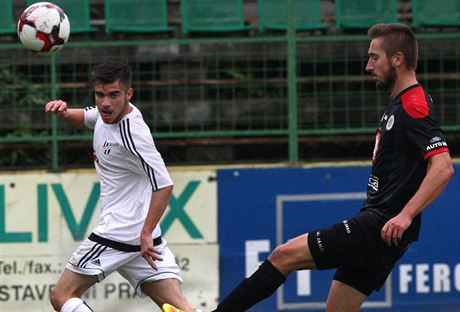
[403, 82]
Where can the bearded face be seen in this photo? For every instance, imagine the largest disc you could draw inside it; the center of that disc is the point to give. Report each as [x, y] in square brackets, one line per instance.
[379, 65]
[387, 79]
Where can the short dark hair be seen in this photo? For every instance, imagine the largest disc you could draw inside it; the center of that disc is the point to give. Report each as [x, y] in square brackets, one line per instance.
[109, 72]
[400, 38]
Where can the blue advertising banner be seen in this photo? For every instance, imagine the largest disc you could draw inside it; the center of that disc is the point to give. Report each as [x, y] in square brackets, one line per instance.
[261, 208]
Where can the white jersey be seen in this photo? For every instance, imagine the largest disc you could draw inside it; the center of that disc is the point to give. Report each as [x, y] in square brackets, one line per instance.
[129, 168]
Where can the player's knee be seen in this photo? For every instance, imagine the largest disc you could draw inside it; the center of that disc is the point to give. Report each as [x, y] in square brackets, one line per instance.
[58, 299]
[280, 255]
[55, 300]
[288, 257]
[70, 305]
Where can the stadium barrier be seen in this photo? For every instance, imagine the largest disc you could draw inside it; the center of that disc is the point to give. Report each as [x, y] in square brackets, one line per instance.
[214, 89]
[221, 223]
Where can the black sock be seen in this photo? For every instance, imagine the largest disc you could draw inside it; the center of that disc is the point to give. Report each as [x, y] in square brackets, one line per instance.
[264, 282]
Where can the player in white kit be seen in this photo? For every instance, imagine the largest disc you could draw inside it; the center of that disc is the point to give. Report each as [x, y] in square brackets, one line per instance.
[135, 189]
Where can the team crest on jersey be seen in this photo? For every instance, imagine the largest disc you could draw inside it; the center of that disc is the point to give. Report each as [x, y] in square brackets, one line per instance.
[390, 122]
[107, 147]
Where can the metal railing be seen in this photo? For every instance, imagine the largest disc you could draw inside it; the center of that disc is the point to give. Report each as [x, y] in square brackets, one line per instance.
[288, 86]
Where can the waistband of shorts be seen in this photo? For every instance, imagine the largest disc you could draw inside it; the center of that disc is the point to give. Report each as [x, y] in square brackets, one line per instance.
[118, 245]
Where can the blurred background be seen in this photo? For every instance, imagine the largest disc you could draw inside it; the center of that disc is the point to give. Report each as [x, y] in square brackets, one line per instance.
[224, 81]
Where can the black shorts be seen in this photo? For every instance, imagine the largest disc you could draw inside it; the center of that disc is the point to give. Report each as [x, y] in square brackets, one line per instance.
[356, 249]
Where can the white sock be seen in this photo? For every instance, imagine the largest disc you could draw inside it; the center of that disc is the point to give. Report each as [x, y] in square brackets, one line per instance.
[75, 305]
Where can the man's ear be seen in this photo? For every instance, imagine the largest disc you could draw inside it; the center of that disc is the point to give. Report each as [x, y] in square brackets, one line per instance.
[129, 93]
[397, 59]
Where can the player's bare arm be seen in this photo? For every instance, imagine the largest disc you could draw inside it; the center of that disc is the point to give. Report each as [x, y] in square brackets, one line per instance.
[73, 116]
[158, 203]
[439, 172]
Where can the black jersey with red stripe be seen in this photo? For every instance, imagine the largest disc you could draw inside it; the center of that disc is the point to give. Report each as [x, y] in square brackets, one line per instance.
[407, 136]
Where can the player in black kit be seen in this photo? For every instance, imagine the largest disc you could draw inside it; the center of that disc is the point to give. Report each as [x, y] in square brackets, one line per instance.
[411, 167]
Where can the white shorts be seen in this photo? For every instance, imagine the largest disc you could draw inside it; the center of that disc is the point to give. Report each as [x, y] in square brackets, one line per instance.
[96, 258]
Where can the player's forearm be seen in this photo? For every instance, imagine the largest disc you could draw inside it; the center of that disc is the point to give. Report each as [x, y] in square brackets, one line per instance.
[438, 175]
[74, 116]
[158, 204]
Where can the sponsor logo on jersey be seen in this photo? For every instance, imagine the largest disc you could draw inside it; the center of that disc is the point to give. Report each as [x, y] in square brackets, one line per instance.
[436, 145]
[347, 226]
[390, 122]
[435, 139]
[96, 262]
[319, 241]
[373, 182]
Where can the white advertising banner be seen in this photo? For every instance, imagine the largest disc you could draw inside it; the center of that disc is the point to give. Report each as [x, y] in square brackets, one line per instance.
[43, 216]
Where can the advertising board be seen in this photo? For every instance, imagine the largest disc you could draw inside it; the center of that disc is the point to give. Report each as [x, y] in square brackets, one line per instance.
[44, 216]
[261, 208]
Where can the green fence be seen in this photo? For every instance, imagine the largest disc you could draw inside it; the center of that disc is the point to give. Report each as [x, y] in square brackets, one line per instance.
[220, 88]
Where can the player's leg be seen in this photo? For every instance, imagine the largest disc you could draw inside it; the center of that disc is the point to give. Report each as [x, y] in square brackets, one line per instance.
[162, 285]
[286, 258]
[90, 263]
[351, 286]
[66, 294]
[292, 256]
[167, 291]
[344, 298]
[370, 263]
[321, 249]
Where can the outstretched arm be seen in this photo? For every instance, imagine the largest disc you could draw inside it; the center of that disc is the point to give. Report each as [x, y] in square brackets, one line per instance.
[439, 172]
[75, 117]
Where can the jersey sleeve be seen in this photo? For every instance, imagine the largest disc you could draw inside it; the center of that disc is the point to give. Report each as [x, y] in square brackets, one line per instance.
[91, 116]
[423, 129]
[137, 139]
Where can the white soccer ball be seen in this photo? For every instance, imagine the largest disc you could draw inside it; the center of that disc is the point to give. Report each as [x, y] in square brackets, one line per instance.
[43, 28]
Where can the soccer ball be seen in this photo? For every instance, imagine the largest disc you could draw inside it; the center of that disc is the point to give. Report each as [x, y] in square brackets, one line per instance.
[43, 28]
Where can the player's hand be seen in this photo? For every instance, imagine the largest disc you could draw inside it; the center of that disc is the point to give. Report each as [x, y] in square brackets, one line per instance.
[393, 230]
[148, 251]
[58, 106]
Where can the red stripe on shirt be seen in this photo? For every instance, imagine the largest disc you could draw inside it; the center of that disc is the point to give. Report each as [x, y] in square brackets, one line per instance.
[436, 151]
